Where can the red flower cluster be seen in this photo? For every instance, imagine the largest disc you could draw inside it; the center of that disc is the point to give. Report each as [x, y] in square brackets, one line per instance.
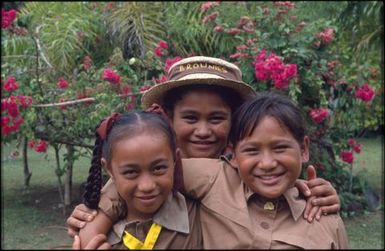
[39, 146]
[272, 68]
[355, 145]
[169, 62]
[87, 61]
[365, 93]
[211, 17]
[319, 115]
[208, 5]
[62, 83]
[163, 45]
[219, 28]
[326, 36]
[111, 76]
[11, 119]
[7, 18]
[10, 84]
[347, 156]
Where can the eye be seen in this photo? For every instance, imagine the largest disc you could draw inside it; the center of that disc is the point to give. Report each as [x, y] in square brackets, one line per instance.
[217, 119]
[281, 148]
[250, 150]
[130, 173]
[160, 169]
[190, 119]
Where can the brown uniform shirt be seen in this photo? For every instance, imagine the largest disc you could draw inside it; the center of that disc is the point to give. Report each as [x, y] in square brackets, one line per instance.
[178, 217]
[234, 217]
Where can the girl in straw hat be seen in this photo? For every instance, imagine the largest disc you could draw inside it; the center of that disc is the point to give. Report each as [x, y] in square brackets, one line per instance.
[199, 97]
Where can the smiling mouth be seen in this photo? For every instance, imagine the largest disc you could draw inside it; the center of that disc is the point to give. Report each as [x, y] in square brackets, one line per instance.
[269, 179]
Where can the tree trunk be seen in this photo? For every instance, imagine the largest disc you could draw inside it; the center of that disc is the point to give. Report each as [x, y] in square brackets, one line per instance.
[27, 173]
[58, 174]
[68, 179]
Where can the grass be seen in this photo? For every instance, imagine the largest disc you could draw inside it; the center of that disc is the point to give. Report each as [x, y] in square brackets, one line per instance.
[33, 219]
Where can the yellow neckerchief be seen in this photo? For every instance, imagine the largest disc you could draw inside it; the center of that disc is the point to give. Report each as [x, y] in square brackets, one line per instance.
[132, 243]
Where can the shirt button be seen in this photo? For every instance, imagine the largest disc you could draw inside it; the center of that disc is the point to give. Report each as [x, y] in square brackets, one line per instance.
[264, 225]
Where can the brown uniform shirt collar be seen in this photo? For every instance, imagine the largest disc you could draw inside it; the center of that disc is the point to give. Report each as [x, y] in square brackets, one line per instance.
[173, 215]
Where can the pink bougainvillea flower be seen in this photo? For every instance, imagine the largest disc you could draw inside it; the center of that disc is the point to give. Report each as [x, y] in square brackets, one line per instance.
[25, 101]
[125, 90]
[326, 36]
[111, 76]
[87, 61]
[170, 61]
[158, 51]
[357, 148]
[347, 156]
[208, 5]
[5, 120]
[41, 147]
[144, 88]
[365, 93]
[62, 83]
[219, 28]
[7, 18]
[163, 44]
[233, 31]
[10, 84]
[351, 142]
[13, 109]
[211, 17]
[319, 115]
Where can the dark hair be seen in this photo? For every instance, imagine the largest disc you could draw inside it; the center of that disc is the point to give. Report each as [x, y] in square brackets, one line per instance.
[229, 96]
[278, 106]
[127, 124]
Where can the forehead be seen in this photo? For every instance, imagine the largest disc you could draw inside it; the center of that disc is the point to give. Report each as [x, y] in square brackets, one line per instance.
[198, 97]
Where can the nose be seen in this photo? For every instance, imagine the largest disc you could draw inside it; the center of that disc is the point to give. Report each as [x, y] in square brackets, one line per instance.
[146, 183]
[203, 130]
[267, 161]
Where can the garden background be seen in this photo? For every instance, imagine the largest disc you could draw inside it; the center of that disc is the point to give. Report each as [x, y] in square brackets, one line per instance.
[66, 65]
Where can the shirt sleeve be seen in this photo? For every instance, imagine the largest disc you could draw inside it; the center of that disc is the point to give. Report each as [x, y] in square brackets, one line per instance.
[342, 237]
[199, 174]
[111, 203]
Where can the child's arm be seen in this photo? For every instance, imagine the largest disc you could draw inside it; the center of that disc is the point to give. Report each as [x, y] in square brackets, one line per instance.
[100, 225]
[98, 242]
[321, 196]
[110, 209]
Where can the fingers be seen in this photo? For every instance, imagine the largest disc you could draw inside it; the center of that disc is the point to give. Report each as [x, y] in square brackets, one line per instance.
[311, 173]
[331, 209]
[321, 187]
[98, 242]
[303, 187]
[76, 243]
[78, 219]
[308, 208]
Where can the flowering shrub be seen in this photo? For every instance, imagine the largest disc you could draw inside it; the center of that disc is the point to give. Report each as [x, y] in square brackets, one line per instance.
[277, 51]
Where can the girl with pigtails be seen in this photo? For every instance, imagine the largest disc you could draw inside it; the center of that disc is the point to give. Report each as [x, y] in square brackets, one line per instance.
[138, 151]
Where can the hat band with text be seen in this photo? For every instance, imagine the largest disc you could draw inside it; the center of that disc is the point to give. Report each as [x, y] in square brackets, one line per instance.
[183, 70]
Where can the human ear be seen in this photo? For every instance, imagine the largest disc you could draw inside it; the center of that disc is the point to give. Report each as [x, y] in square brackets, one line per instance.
[305, 149]
[233, 161]
[108, 169]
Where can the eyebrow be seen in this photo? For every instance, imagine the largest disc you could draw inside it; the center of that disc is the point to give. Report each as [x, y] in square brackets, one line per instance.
[155, 162]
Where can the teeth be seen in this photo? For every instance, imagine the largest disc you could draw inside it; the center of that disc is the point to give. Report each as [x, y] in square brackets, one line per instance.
[267, 177]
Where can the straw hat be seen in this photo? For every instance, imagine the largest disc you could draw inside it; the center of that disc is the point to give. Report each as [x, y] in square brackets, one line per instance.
[198, 70]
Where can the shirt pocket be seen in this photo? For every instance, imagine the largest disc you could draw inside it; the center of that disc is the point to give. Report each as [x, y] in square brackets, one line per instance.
[300, 241]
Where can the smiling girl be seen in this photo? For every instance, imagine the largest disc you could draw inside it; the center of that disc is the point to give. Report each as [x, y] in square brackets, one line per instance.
[138, 151]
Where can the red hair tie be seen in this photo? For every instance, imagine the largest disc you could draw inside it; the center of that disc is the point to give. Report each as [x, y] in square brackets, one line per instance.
[107, 123]
[155, 108]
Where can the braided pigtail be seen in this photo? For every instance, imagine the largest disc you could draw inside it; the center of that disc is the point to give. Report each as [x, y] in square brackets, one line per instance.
[93, 187]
